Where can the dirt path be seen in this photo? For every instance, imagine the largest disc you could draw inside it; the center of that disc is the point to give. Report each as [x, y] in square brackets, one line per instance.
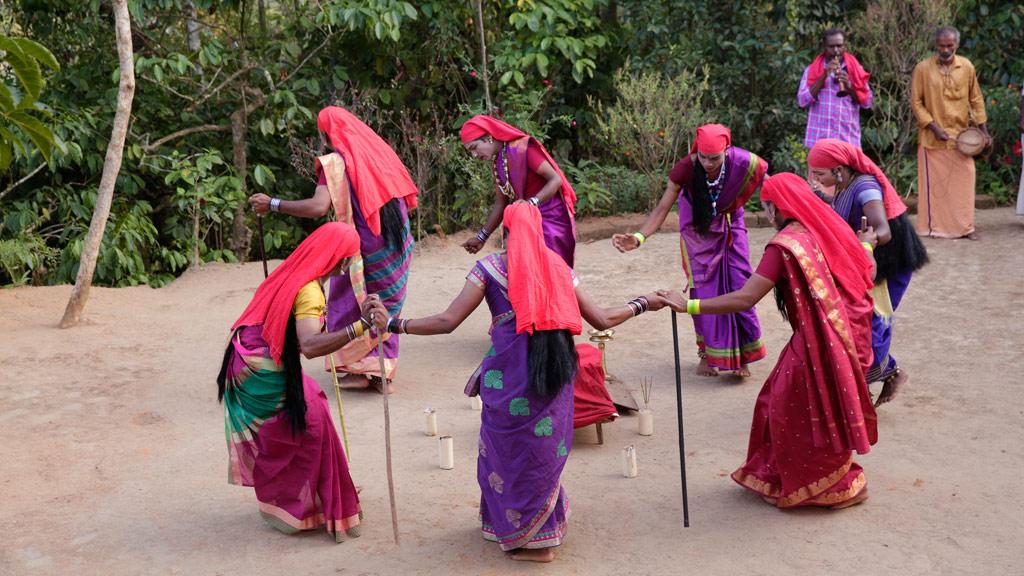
[113, 457]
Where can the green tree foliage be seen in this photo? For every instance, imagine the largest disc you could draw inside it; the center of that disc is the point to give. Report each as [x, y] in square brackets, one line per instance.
[228, 92]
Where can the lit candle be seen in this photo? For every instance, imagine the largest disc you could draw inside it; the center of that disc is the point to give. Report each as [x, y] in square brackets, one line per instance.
[431, 422]
[629, 462]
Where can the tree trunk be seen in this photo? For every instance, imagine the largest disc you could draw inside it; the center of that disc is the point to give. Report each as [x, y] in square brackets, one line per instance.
[192, 27]
[483, 56]
[241, 236]
[111, 167]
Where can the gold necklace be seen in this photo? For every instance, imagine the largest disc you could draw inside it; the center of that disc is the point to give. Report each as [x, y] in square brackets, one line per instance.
[506, 189]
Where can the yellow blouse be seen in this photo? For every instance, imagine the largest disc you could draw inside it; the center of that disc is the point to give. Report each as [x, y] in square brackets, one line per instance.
[309, 302]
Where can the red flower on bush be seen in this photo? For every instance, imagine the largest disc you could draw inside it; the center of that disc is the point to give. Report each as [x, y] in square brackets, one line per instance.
[1016, 148]
[546, 82]
[473, 73]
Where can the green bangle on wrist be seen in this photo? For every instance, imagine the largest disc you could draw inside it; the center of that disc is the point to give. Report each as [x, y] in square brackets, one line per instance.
[640, 237]
[693, 306]
[867, 246]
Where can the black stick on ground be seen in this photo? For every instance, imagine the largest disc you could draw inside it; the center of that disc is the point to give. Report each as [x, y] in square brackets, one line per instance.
[679, 416]
[263, 256]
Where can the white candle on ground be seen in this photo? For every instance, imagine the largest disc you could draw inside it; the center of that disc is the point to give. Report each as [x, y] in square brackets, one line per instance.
[447, 454]
[431, 422]
[646, 422]
[629, 462]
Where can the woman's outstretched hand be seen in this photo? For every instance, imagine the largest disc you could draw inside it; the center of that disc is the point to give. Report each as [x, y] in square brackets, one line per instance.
[625, 242]
[673, 299]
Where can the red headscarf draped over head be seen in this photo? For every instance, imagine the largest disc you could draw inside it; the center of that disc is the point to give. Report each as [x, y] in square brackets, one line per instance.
[846, 258]
[540, 283]
[315, 257]
[830, 153]
[854, 71]
[712, 139]
[481, 124]
[376, 172]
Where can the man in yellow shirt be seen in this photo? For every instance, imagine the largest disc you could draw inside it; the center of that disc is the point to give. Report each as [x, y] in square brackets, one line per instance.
[946, 99]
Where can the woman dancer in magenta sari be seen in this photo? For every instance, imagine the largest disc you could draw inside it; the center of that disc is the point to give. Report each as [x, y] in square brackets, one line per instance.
[368, 187]
[523, 170]
[814, 410]
[281, 440]
[525, 381]
[711, 186]
[862, 190]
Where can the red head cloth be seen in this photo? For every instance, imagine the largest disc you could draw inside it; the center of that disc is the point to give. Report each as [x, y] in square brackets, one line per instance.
[712, 139]
[315, 257]
[481, 124]
[376, 172]
[830, 153]
[858, 75]
[540, 283]
[846, 258]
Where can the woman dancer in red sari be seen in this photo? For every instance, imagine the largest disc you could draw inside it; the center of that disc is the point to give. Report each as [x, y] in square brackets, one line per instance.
[814, 410]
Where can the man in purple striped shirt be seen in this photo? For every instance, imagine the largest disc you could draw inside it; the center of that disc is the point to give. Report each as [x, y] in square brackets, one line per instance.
[833, 106]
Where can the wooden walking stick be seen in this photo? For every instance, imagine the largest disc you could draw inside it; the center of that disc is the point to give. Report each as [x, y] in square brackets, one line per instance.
[679, 416]
[263, 256]
[341, 411]
[387, 436]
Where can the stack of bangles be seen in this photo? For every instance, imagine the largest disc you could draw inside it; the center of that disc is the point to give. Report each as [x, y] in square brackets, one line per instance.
[397, 326]
[639, 305]
[535, 200]
[867, 246]
[275, 204]
[483, 235]
[640, 238]
[356, 329]
[693, 306]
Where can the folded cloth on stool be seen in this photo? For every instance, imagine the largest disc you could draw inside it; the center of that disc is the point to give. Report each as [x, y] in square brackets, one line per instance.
[593, 403]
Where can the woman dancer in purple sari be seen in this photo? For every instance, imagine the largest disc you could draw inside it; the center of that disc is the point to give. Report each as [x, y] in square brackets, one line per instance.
[525, 381]
[862, 191]
[523, 170]
[368, 187]
[711, 185]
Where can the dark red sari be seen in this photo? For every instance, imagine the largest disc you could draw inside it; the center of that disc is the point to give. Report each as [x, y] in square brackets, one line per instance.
[814, 410]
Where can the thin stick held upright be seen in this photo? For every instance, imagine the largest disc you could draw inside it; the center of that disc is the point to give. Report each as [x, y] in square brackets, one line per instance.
[679, 416]
[387, 438]
[263, 255]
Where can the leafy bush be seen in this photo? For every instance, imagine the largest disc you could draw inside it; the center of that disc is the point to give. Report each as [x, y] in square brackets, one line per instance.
[603, 189]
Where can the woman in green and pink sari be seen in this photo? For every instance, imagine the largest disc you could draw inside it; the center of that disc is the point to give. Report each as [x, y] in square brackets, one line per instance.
[711, 186]
[525, 381]
[281, 440]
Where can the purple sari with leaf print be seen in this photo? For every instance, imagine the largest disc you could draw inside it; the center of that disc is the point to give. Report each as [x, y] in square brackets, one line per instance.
[524, 438]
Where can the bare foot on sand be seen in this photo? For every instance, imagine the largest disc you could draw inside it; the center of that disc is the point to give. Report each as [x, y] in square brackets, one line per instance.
[703, 369]
[743, 372]
[540, 555]
[973, 236]
[861, 497]
[892, 387]
[770, 500]
[376, 383]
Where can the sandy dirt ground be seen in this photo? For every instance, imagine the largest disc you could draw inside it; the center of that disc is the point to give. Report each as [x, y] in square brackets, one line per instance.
[113, 458]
